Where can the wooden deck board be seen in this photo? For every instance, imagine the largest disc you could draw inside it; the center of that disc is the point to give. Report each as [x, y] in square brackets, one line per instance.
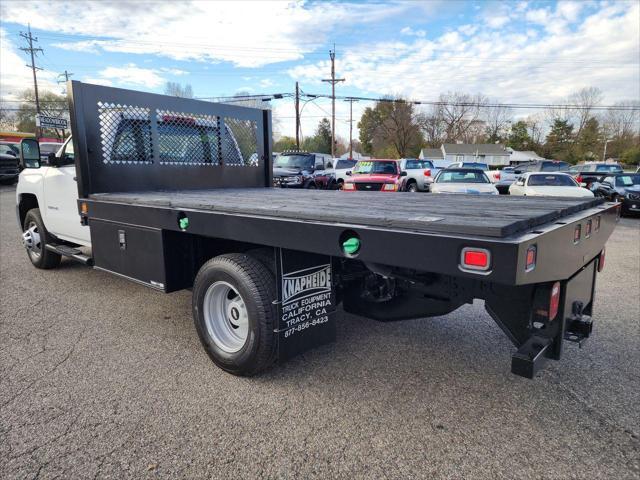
[490, 216]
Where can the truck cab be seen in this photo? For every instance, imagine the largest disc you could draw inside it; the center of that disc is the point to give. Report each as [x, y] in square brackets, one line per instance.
[51, 187]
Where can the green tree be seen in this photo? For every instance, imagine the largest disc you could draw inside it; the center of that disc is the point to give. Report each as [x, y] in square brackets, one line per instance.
[559, 142]
[284, 143]
[589, 141]
[631, 156]
[320, 142]
[51, 105]
[519, 138]
[391, 129]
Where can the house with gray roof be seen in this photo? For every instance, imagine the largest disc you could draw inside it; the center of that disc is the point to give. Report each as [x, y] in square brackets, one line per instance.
[490, 153]
[434, 155]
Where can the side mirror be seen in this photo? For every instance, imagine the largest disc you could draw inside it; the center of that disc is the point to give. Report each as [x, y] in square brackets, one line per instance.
[520, 183]
[403, 173]
[348, 172]
[52, 159]
[29, 153]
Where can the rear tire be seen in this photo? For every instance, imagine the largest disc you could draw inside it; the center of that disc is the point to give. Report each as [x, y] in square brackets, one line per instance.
[234, 313]
[412, 187]
[34, 238]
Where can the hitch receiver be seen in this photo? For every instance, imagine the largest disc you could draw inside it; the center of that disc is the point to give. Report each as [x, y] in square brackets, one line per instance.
[530, 357]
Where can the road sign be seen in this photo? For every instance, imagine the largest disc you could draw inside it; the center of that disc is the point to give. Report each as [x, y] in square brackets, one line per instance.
[43, 121]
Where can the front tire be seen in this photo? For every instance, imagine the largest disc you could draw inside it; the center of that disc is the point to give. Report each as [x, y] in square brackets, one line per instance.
[34, 238]
[234, 313]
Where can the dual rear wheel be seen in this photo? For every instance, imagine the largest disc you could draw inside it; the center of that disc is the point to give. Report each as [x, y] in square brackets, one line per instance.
[235, 314]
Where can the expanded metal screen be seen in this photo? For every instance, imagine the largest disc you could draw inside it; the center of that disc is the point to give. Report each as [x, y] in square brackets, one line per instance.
[242, 146]
[187, 138]
[125, 134]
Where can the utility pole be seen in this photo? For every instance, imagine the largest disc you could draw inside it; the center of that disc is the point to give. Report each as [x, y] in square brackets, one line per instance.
[333, 80]
[66, 76]
[297, 117]
[604, 152]
[351, 100]
[33, 51]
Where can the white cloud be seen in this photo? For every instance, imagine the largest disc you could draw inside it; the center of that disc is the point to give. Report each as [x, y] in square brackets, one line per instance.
[497, 21]
[266, 82]
[174, 71]
[131, 74]
[248, 34]
[411, 32]
[511, 65]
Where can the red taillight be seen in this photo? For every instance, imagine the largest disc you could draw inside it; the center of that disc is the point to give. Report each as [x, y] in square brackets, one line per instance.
[554, 301]
[579, 179]
[427, 172]
[532, 253]
[601, 261]
[497, 175]
[478, 259]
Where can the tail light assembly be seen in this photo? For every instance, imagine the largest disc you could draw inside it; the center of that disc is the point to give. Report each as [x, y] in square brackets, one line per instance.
[497, 176]
[475, 260]
[554, 301]
[601, 260]
[427, 172]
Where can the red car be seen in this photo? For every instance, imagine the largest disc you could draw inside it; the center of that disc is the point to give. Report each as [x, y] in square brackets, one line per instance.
[374, 176]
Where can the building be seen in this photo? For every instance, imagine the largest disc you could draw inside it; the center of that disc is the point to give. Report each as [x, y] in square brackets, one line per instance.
[434, 155]
[356, 156]
[490, 153]
[518, 157]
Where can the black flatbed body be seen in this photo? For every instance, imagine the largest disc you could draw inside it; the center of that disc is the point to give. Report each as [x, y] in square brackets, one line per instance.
[425, 232]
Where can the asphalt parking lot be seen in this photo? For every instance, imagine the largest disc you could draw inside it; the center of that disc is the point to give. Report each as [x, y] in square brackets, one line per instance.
[102, 378]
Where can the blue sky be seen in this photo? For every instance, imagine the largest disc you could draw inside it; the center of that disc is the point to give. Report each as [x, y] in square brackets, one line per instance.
[516, 51]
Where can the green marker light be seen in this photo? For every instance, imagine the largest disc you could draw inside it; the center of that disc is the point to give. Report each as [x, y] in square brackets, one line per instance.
[351, 245]
[183, 223]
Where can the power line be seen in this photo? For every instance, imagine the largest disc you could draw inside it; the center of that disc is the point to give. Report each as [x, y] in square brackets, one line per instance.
[485, 105]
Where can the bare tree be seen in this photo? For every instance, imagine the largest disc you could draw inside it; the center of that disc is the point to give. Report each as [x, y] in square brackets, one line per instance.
[497, 118]
[176, 90]
[535, 128]
[433, 128]
[622, 123]
[459, 111]
[581, 106]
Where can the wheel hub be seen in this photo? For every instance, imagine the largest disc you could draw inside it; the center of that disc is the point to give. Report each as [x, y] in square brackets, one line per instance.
[226, 316]
[31, 240]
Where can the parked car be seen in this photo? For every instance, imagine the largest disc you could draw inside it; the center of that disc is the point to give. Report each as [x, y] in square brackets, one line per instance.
[9, 148]
[624, 188]
[374, 176]
[507, 177]
[420, 174]
[463, 180]
[548, 184]
[47, 148]
[296, 169]
[494, 175]
[9, 168]
[340, 168]
[589, 173]
[542, 166]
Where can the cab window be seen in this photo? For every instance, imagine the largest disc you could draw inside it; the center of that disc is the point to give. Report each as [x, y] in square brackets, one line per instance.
[68, 155]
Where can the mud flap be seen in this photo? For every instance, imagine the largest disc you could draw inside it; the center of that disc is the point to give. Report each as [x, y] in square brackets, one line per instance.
[306, 302]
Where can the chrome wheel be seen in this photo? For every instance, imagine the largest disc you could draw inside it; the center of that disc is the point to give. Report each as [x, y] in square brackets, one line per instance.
[226, 317]
[32, 241]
